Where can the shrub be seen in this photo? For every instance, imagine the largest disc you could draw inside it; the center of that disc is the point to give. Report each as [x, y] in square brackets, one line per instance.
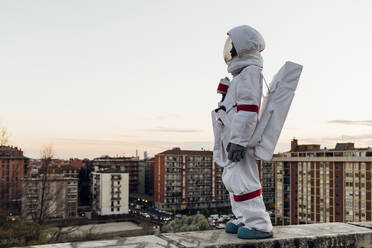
[187, 224]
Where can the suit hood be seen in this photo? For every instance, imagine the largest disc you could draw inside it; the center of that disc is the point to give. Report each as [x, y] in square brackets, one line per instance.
[248, 43]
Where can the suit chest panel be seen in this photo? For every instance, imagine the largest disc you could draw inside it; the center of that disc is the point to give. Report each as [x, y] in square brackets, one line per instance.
[230, 99]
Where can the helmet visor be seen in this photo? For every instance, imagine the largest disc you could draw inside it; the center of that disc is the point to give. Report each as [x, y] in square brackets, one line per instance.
[227, 49]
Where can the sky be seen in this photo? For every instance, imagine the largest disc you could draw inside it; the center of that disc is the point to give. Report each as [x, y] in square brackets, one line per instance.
[111, 77]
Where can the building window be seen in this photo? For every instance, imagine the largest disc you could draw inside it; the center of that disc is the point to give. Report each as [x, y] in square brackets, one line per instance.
[112, 209]
[118, 209]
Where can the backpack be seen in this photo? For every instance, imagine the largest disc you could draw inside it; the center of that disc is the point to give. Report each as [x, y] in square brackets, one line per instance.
[274, 109]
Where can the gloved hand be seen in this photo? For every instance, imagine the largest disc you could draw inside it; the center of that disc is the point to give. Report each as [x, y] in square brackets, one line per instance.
[236, 152]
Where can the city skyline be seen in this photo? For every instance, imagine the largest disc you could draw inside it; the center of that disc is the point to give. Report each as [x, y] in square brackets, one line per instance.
[116, 77]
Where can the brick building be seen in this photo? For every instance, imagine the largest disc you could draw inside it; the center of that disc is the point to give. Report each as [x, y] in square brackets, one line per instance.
[188, 180]
[315, 185]
[69, 168]
[267, 179]
[13, 167]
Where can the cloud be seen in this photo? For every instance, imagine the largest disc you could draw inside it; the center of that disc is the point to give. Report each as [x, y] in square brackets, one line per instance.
[347, 122]
[353, 137]
[92, 148]
[197, 145]
[167, 117]
[361, 140]
[107, 142]
[173, 130]
[342, 138]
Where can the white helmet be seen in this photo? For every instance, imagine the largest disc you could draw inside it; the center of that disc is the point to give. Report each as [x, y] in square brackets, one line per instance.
[242, 39]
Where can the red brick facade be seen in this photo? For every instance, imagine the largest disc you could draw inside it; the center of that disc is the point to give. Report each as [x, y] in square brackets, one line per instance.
[186, 179]
[13, 167]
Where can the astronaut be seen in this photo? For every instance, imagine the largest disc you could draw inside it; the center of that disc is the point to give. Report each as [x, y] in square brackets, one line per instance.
[234, 122]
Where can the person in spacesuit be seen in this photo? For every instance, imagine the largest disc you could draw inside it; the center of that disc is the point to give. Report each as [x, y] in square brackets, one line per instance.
[234, 123]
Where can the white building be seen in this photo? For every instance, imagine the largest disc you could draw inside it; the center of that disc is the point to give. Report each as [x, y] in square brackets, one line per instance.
[49, 197]
[110, 193]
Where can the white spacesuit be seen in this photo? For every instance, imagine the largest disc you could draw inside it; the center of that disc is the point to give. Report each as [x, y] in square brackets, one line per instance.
[234, 123]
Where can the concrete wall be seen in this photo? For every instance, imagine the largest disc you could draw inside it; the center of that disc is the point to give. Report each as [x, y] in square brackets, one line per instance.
[105, 182]
[311, 235]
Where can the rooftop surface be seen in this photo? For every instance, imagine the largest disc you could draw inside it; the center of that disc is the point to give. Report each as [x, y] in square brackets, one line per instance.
[311, 235]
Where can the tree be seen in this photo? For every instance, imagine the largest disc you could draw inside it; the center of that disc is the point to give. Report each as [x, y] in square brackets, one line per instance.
[47, 189]
[4, 136]
[46, 160]
[17, 232]
[187, 223]
[85, 183]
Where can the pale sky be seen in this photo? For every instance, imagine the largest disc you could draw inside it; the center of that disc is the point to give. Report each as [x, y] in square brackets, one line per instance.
[109, 77]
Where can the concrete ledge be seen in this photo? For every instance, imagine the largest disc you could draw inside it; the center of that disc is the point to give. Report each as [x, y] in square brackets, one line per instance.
[312, 235]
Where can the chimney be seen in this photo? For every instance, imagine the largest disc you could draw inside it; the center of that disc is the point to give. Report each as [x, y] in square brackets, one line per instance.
[294, 144]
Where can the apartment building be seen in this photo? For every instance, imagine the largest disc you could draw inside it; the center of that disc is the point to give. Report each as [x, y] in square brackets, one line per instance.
[149, 176]
[185, 179]
[110, 191]
[314, 185]
[51, 196]
[267, 179]
[128, 165]
[145, 181]
[69, 168]
[13, 167]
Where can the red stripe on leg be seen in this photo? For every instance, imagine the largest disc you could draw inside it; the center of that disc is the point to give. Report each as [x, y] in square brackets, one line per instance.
[248, 196]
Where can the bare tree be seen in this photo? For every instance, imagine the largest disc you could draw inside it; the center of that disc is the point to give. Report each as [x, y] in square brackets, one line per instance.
[47, 188]
[4, 136]
[46, 160]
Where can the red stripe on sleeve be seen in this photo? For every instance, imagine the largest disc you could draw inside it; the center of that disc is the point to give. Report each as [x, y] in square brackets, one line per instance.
[222, 88]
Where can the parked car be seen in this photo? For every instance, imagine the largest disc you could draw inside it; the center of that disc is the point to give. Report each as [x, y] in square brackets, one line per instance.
[221, 226]
[166, 218]
[224, 218]
[214, 216]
